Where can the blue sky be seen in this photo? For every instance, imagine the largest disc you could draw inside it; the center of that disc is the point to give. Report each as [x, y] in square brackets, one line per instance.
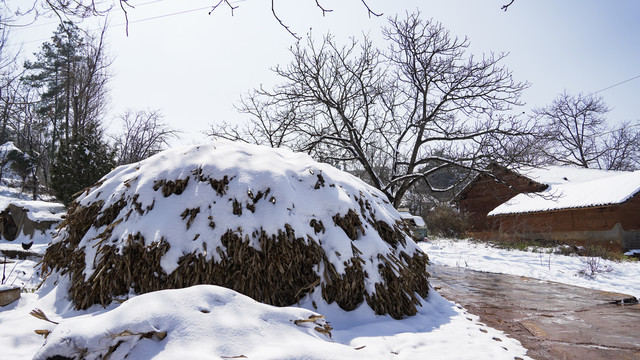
[194, 66]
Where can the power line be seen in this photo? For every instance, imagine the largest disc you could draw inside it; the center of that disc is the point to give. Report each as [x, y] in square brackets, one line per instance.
[137, 21]
[32, 25]
[163, 16]
[614, 85]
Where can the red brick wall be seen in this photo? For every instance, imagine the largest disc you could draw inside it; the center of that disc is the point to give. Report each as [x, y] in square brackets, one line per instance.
[630, 214]
[583, 219]
[579, 226]
[485, 193]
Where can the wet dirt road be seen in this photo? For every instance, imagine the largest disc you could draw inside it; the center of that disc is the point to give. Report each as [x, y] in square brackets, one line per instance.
[552, 320]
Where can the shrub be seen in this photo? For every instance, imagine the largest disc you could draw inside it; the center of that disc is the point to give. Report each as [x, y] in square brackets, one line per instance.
[594, 266]
[444, 220]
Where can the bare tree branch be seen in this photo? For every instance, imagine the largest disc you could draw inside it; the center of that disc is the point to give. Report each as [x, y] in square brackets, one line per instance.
[124, 3]
[144, 134]
[506, 6]
[369, 11]
[324, 11]
[576, 133]
[286, 27]
[398, 117]
[67, 9]
[231, 7]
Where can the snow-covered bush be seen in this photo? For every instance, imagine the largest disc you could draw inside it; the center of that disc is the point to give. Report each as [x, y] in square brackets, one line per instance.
[269, 223]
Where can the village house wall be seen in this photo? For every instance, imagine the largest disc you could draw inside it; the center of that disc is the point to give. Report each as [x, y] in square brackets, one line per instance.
[485, 193]
[615, 226]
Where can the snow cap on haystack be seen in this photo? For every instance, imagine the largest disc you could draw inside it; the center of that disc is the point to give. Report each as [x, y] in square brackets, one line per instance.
[269, 223]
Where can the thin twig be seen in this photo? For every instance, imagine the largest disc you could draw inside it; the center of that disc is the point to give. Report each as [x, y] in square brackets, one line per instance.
[126, 15]
[505, 7]
[371, 12]
[225, 2]
[324, 11]
[273, 11]
[11, 272]
[4, 267]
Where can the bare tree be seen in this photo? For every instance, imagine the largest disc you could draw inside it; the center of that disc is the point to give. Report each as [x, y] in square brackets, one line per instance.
[144, 134]
[399, 117]
[9, 77]
[622, 148]
[575, 132]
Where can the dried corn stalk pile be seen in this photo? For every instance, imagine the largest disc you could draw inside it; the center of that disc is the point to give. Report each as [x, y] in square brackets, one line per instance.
[268, 223]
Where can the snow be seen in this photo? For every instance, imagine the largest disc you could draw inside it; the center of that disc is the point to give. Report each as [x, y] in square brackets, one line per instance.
[7, 147]
[418, 220]
[616, 276]
[236, 325]
[613, 189]
[564, 174]
[8, 175]
[4, 287]
[20, 273]
[37, 210]
[206, 321]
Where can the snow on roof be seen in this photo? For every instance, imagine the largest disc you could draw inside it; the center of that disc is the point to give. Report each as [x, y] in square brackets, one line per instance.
[564, 174]
[36, 210]
[616, 188]
[406, 215]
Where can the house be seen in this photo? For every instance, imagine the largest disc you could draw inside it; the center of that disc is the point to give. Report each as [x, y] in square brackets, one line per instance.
[568, 204]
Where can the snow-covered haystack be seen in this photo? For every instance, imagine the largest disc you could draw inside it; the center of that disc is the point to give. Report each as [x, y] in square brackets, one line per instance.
[268, 223]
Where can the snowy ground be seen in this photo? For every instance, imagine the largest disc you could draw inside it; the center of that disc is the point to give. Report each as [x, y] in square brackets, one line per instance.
[612, 276]
[207, 320]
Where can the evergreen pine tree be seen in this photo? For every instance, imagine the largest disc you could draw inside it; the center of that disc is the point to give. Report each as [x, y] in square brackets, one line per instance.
[80, 163]
[70, 75]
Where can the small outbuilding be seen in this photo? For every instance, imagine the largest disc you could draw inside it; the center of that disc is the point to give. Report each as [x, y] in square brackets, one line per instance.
[23, 218]
[416, 223]
[567, 204]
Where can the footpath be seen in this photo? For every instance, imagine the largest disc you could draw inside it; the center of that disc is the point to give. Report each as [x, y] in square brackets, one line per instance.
[552, 320]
